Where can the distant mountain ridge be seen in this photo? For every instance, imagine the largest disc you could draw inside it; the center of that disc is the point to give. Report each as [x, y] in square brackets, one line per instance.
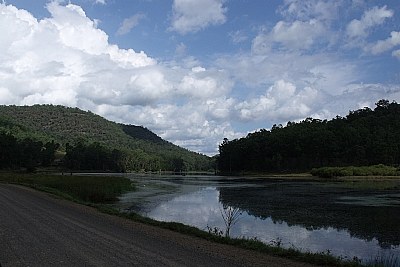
[67, 125]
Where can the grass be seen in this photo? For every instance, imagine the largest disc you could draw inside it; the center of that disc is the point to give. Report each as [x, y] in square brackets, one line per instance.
[96, 191]
[92, 189]
[375, 170]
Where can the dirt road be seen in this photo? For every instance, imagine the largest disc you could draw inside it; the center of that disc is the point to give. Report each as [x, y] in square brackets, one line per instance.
[37, 229]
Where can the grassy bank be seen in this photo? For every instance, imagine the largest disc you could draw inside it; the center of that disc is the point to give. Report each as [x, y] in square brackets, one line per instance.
[96, 191]
[92, 189]
[375, 170]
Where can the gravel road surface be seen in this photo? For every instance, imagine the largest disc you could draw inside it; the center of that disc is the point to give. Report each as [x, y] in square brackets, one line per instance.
[37, 229]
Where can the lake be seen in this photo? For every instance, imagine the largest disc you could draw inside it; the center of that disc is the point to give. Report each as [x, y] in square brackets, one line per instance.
[347, 219]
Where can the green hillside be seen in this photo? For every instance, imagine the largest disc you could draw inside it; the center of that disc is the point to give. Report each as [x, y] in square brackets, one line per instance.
[72, 128]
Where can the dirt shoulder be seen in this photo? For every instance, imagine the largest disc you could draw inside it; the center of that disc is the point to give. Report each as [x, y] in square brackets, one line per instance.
[37, 229]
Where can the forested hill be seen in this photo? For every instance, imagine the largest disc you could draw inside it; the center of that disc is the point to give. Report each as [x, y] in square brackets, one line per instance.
[363, 137]
[86, 135]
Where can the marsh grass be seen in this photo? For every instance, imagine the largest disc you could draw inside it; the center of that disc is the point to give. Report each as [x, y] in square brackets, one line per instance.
[95, 189]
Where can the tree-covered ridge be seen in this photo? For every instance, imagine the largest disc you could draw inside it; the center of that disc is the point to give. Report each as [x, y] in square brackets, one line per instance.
[142, 133]
[363, 137]
[86, 136]
[63, 123]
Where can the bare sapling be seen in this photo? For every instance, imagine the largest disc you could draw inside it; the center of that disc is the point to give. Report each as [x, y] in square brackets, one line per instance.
[230, 216]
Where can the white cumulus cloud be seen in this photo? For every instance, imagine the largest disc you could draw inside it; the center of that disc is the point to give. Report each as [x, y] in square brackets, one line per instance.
[306, 26]
[311, 9]
[372, 17]
[129, 23]
[65, 59]
[282, 101]
[238, 36]
[298, 34]
[396, 53]
[387, 44]
[194, 15]
[200, 83]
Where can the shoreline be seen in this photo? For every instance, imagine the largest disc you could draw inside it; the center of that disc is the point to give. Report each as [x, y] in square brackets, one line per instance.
[246, 244]
[73, 234]
[313, 258]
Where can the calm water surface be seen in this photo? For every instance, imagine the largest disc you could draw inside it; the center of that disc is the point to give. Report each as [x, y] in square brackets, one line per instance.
[346, 219]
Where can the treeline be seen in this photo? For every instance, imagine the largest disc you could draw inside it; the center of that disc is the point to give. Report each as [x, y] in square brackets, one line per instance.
[29, 154]
[364, 137]
[95, 156]
[26, 153]
[96, 143]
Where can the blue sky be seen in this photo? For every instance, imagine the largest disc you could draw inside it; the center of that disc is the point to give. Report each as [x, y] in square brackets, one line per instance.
[196, 72]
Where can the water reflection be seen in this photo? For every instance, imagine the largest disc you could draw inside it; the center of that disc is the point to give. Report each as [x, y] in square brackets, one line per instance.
[202, 209]
[199, 204]
[321, 205]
